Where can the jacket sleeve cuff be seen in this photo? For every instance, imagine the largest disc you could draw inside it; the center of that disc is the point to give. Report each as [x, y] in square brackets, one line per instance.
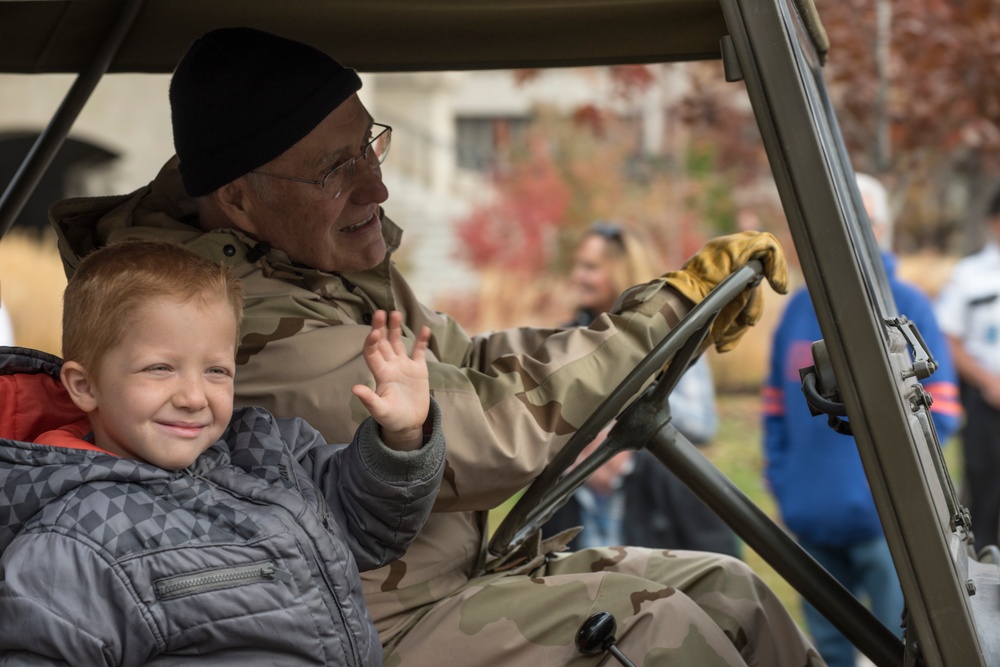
[395, 467]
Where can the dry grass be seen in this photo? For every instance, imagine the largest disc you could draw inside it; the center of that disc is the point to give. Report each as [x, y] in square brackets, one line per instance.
[31, 285]
[738, 452]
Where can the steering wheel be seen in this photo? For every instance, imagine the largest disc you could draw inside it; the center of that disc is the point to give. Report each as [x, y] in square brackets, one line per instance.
[554, 486]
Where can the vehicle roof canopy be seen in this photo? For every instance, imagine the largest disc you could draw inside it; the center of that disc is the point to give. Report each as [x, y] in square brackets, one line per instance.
[42, 36]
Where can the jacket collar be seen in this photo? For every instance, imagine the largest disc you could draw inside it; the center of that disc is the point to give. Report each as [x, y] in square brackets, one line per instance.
[164, 211]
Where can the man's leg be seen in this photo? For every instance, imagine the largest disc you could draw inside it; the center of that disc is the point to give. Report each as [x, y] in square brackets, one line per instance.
[877, 576]
[726, 589]
[981, 446]
[831, 644]
[527, 620]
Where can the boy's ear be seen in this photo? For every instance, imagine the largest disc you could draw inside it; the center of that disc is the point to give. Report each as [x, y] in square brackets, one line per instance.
[78, 385]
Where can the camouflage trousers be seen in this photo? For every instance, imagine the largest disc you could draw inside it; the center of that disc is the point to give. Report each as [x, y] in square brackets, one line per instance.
[672, 608]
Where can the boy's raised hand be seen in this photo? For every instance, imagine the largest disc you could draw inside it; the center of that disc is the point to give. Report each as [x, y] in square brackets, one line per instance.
[401, 399]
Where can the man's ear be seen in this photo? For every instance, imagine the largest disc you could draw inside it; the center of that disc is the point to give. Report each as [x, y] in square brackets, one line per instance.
[235, 202]
[79, 386]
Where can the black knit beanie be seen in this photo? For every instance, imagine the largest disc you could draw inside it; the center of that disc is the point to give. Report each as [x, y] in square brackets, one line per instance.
[241, 97]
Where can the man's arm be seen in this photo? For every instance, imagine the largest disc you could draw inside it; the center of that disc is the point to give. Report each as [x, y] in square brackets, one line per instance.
[972, 372]
[952, 316]
[509, 399]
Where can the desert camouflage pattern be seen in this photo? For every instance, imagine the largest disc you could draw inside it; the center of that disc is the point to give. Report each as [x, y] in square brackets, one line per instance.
[671, 608]
[509, 399]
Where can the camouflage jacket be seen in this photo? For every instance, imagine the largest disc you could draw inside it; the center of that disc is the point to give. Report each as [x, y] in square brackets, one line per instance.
[250, 553]
[510, 399]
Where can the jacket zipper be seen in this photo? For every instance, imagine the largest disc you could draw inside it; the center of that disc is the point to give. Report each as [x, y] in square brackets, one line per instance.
[326, 522]
[187, 585]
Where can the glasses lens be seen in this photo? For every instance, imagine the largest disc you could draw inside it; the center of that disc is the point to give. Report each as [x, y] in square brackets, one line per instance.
[379, 147]
[375, 152]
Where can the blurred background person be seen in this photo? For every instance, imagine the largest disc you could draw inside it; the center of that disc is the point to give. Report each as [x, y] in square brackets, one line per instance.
[633, 498]
[968, 309]
[816, 474]
[6, 327]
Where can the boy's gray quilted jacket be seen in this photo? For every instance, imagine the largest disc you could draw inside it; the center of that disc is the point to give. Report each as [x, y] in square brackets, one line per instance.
[236, 560]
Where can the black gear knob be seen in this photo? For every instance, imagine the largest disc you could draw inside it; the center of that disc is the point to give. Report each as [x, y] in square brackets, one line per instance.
[597, 635]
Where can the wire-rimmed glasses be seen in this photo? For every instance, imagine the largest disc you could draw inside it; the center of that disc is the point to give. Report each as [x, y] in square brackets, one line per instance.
[335, 181]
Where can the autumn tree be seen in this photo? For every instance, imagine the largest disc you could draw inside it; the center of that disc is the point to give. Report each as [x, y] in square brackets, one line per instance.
[568, 173]
[914, 83]
[572, 171]
[914, 86]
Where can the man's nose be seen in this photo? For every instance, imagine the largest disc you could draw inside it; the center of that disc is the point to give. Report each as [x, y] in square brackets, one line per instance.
[367, 185]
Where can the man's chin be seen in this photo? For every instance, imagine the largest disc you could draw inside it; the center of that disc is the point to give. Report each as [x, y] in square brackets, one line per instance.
[367, 260]
[357, 264]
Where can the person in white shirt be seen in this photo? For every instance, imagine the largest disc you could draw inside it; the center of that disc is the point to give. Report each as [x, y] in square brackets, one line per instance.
[6, 327]
[968, 311]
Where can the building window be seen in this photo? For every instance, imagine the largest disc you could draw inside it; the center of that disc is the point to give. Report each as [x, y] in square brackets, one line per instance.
[482, 142]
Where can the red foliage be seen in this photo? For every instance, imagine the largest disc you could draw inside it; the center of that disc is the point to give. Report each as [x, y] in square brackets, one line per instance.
[590, 118]
[943, 72]
[516, 229]
[632, 79]
[942, 102]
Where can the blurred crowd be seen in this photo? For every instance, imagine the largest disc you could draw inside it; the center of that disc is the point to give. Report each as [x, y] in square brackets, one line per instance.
[814, 472]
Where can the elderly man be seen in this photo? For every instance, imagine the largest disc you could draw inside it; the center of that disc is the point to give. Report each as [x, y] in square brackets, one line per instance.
[279, 177]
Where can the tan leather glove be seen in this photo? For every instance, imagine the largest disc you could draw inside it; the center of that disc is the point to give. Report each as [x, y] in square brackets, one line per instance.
[714, 262]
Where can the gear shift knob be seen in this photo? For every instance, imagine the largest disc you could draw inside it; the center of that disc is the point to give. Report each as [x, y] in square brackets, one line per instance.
[597, 635]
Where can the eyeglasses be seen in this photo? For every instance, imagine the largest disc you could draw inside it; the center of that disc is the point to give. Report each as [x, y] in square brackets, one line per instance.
[339, 178]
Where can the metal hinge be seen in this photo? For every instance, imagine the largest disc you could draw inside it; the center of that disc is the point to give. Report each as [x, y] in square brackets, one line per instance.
[923, 361]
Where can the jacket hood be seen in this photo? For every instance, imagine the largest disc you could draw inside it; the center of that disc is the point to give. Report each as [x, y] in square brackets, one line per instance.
[164, 211]
[32, 398]
[32, 401]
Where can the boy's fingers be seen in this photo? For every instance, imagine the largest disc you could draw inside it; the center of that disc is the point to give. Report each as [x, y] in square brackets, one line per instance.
[420, 348]
[364, 393]
[369, 399]
[390, 351]
[396, 332]
[373, 350]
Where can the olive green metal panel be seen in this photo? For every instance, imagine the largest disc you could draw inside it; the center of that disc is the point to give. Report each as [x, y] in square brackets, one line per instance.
[898, 446]
[379, 35]
[374, 35]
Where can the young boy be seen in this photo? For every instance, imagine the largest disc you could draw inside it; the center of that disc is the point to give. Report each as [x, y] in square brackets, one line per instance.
[142, 521]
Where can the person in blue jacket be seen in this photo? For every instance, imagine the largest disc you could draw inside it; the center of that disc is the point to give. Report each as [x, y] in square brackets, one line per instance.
[816, 474]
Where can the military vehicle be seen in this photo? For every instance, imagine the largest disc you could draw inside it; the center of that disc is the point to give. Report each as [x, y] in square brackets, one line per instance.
[867, 365]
